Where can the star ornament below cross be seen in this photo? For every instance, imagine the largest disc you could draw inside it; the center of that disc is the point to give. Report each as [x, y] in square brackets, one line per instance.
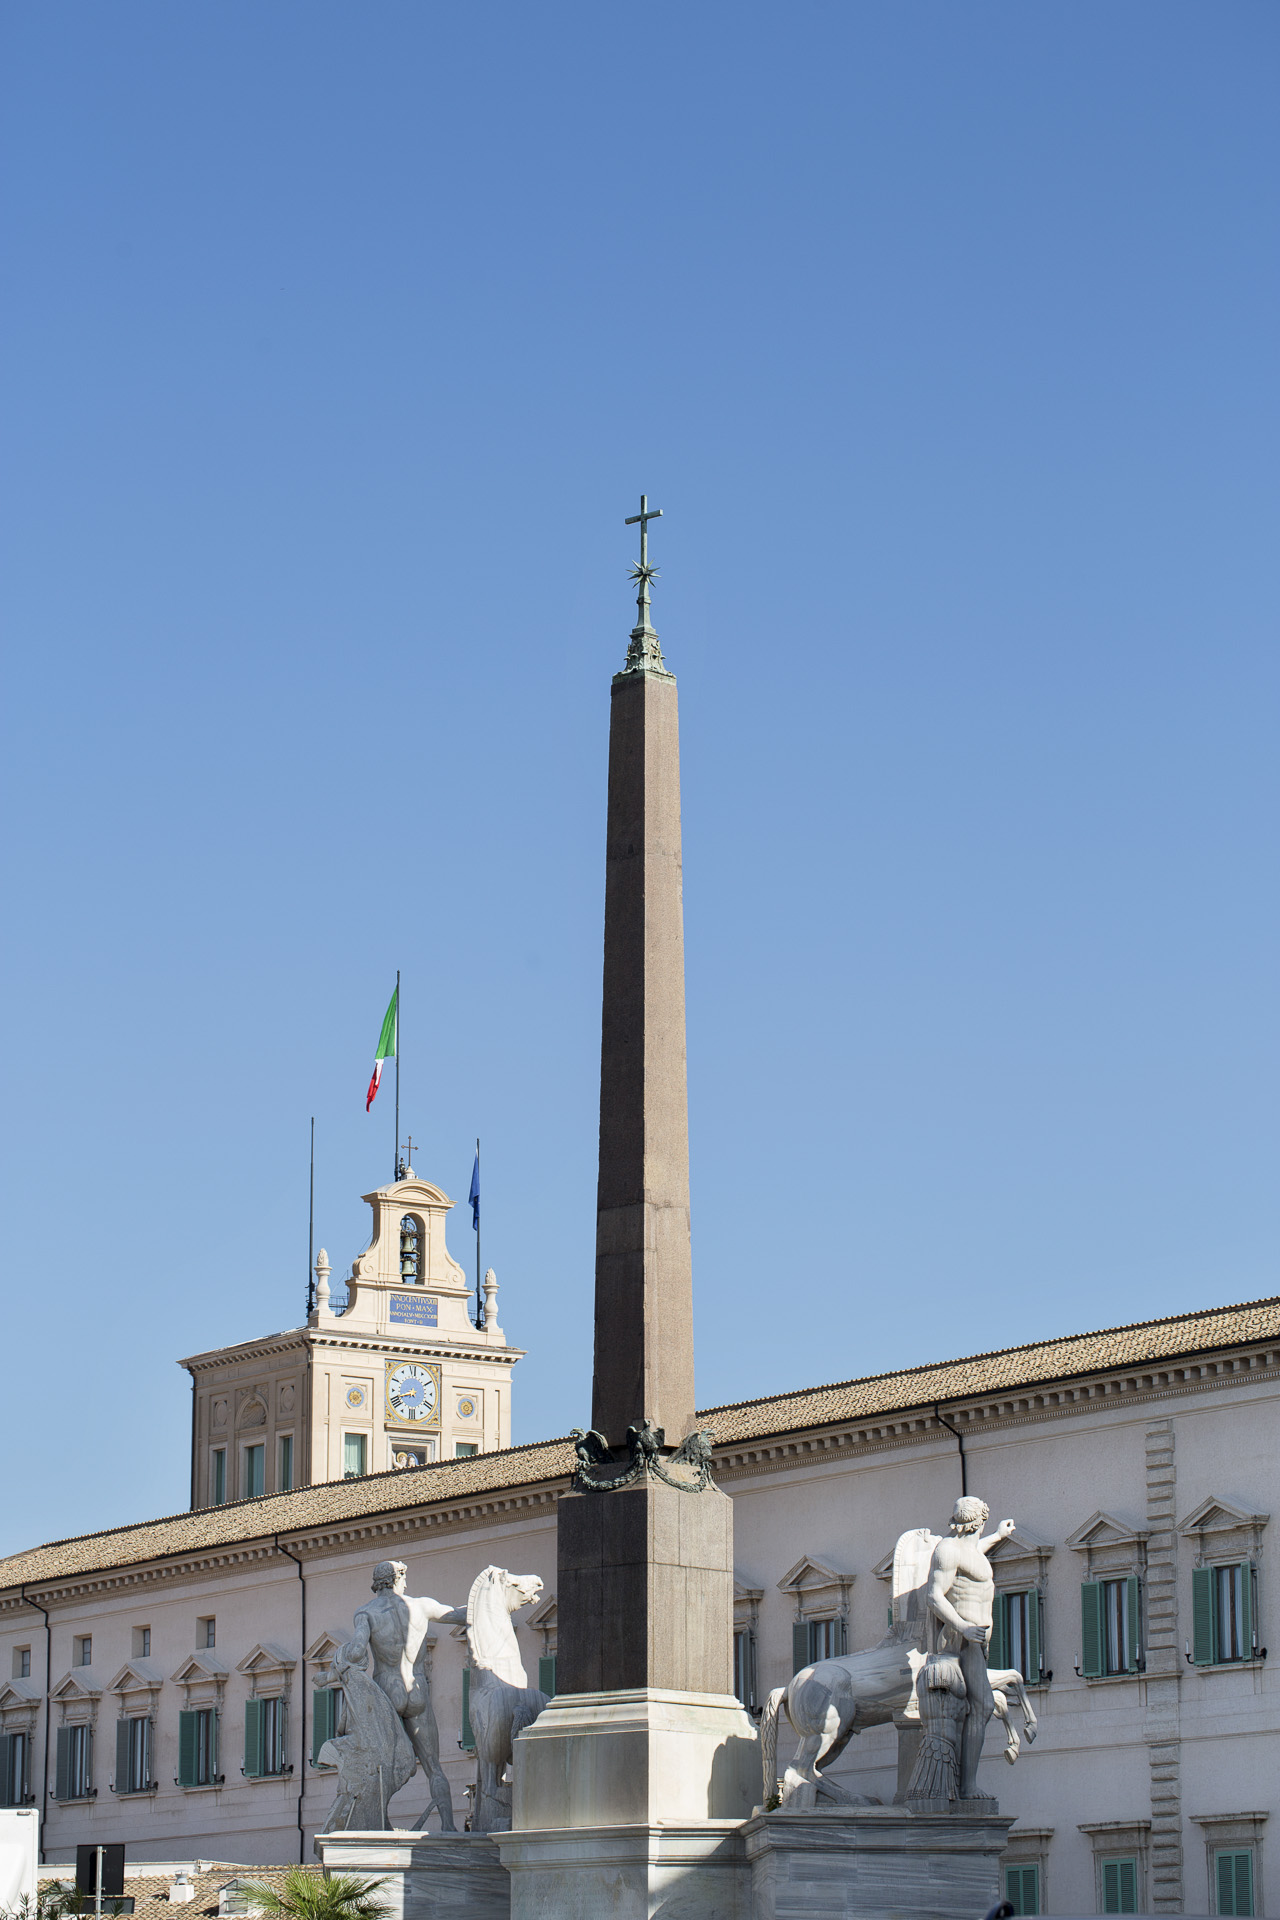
[642, 575]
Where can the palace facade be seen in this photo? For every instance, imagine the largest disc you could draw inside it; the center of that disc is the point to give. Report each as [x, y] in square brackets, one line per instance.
[159, 1683]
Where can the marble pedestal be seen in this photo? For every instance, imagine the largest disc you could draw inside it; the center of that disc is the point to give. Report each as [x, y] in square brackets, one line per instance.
[631, 1803]
[429, 1876]
[874, 1863]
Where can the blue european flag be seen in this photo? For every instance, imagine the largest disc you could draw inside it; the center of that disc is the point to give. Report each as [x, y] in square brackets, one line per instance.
[474, 1195]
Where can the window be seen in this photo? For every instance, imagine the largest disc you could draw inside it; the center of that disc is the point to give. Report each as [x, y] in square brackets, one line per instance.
[74, 1772]
[14, 1758]
[1233, 1879]
[410, 1251]
[218, 1477]
[547, 1674]
[744, 1665]
[206, 1632]
[1223, 1610]
[133, 1755]
[284, 1464]
[410, 1456]
[354, 1450]
[1022, 1886]
[813, 1640]
[22, 1663]
[142, 1643]
[264, 1737]
[198, 1748]
[1015, 1635]
[326, 1706]
[1119, 1883]
[464, 1449]
[468, 1739]
[255, 1471]
[84, 1650]
[1109, 1628]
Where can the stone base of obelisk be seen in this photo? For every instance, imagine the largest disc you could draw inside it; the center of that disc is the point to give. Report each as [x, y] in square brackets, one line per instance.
[425, 1876]
[621, 1799]
[874, 1863]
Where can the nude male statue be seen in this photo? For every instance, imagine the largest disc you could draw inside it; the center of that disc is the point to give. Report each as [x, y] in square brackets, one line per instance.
[958, 1602]
[395, 1627]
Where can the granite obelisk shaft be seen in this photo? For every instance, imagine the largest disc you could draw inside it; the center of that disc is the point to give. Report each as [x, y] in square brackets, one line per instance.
[644, 1285]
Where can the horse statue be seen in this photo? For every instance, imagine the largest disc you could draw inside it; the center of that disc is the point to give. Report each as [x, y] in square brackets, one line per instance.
[371, 1749]
[831, 1701]
[501, 1701]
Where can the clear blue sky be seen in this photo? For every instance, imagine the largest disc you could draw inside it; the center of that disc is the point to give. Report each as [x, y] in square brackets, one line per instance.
[337, 342]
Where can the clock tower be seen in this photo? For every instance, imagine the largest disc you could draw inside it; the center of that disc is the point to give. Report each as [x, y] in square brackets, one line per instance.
[398, 1376]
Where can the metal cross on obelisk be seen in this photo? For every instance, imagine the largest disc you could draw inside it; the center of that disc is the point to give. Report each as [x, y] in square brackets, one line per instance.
[644, 649]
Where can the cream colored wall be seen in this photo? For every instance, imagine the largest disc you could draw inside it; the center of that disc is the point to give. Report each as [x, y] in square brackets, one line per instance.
[1050, 1472]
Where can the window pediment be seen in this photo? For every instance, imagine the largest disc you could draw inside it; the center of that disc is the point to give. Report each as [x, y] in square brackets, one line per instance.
[818, 1588]
[1220, 1516]
[202, 1677]
[78, 1694]
[138, 1684]
[1110, 1545]
[268, 1667]
[19, 1706]
[1023, 1556]
[322, 1649]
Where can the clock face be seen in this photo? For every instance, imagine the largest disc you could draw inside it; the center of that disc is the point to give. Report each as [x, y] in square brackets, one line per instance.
[413, 1391]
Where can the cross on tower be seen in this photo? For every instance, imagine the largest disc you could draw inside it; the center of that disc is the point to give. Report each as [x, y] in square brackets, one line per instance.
[645, 515]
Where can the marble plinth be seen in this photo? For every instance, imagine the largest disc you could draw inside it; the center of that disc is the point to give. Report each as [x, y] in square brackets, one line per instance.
[642, 1872]
[637, 1758]
[874, 1863]
[429, 1876]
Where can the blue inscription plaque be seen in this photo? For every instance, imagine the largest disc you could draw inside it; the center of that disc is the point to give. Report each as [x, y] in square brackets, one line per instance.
[415, 1309]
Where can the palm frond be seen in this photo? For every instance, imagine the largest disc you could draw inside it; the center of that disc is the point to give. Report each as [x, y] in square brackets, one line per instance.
[310, 1896]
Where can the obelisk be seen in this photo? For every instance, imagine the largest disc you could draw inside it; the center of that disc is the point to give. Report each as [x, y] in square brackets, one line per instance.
[644, 1748]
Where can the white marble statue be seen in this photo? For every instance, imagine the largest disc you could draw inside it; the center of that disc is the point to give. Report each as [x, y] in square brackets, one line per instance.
[371, 1749]
[829, 1702]
[395, 1629]
[501, 1700]
[955, 1692]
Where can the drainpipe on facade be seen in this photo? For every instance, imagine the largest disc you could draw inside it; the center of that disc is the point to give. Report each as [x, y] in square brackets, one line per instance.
[302, 1710]
[48, 1682]
[959, 1439]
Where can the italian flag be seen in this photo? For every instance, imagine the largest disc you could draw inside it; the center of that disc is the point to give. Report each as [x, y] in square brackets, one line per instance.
[386, 1047]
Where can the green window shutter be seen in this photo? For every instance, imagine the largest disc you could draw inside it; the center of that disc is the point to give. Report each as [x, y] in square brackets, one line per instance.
[1032, 1674]
[1235, 1882]
[62, 1770]
[998, 1647]
[800, 1655]
[188, 1729]
[1246, 1614]
[10, 1791]
[468, 1738]
[1203, 1607]
[1133, 1612]
[1091, 1647]
[842, 1636]
[324, 1719]
[547, 1675]
[1022, 1888]
[123, 1782]
[1128, 1886]
[255, 1713]
[215, 1722]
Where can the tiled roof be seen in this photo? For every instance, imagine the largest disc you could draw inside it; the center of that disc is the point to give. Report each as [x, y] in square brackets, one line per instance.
[1008, 1369]
[446, 1481]
[150, 1891]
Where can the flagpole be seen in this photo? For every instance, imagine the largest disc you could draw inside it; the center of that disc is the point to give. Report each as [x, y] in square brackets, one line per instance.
[477, 1241]
[311, 1226]
[395, 1157]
